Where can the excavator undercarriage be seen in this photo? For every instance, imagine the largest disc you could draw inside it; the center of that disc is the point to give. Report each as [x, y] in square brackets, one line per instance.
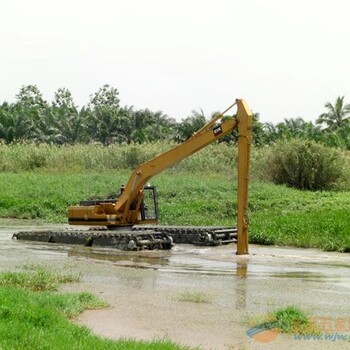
[138, 237]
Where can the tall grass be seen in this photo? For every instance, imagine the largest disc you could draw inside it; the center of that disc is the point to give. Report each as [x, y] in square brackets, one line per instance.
[304, 164]
[70, 158]
[216, 158]
[293, 166]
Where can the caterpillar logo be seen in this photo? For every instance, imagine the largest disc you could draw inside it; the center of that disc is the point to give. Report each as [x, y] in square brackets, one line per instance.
[217, 131]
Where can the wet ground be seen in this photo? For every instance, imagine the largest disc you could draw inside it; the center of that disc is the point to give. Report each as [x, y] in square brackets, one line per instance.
[144, 290]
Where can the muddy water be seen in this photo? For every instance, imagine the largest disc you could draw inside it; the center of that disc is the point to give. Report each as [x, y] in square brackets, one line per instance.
[144, 289]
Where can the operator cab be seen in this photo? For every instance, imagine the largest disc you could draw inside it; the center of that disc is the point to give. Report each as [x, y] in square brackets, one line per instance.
[149, 205]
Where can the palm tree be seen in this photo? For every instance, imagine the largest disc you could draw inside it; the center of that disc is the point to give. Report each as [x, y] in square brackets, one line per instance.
[15, 125]
[337, 116]
[61, 125]
[190, 125]
[151, 126]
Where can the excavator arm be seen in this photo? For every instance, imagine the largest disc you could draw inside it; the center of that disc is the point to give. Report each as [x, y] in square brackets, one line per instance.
[126, 210]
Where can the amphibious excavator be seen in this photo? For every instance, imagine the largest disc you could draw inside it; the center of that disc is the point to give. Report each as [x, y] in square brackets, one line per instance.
[130, 221]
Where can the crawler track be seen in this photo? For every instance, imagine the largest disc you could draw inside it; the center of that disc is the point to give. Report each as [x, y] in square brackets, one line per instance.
[197, 235]
[139, 237]
[125, 240]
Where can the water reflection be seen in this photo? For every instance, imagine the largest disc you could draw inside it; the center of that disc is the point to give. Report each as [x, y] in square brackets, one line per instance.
[130, 259]
[241, 286]
[242, 268]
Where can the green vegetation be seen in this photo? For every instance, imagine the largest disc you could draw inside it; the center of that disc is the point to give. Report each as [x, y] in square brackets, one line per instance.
[194, 297]
[285, 216]
[40, 180]
[278, 214]
[38, 280]
[291, 320]
[105, 121]
[40, 319]
[287, 320]
[337, 115]
[24, 157]
[201, 190]
[305, 165]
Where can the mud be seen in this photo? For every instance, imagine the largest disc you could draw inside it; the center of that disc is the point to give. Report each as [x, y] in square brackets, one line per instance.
[144, 289]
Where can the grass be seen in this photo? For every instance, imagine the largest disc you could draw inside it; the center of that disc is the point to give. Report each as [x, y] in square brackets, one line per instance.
[32, 319]
[285, 216]
[194, 297]
[40, 182]
[93, 156]
[47, 196]
[289, 320]
[277, 214]
[37, 278]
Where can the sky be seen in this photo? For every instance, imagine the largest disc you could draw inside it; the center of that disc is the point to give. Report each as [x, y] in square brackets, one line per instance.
[285, 58]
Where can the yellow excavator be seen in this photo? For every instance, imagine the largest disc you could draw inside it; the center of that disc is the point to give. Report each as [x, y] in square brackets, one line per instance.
[131, 218]
[137, 203]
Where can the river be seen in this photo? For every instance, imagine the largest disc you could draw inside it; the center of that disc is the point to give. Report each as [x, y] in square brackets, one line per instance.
[144, 289]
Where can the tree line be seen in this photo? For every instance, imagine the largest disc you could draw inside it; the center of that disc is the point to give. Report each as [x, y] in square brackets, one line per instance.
[104, 120]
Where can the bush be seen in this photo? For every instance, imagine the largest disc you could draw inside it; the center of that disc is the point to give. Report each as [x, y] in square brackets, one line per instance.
[304, 164]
